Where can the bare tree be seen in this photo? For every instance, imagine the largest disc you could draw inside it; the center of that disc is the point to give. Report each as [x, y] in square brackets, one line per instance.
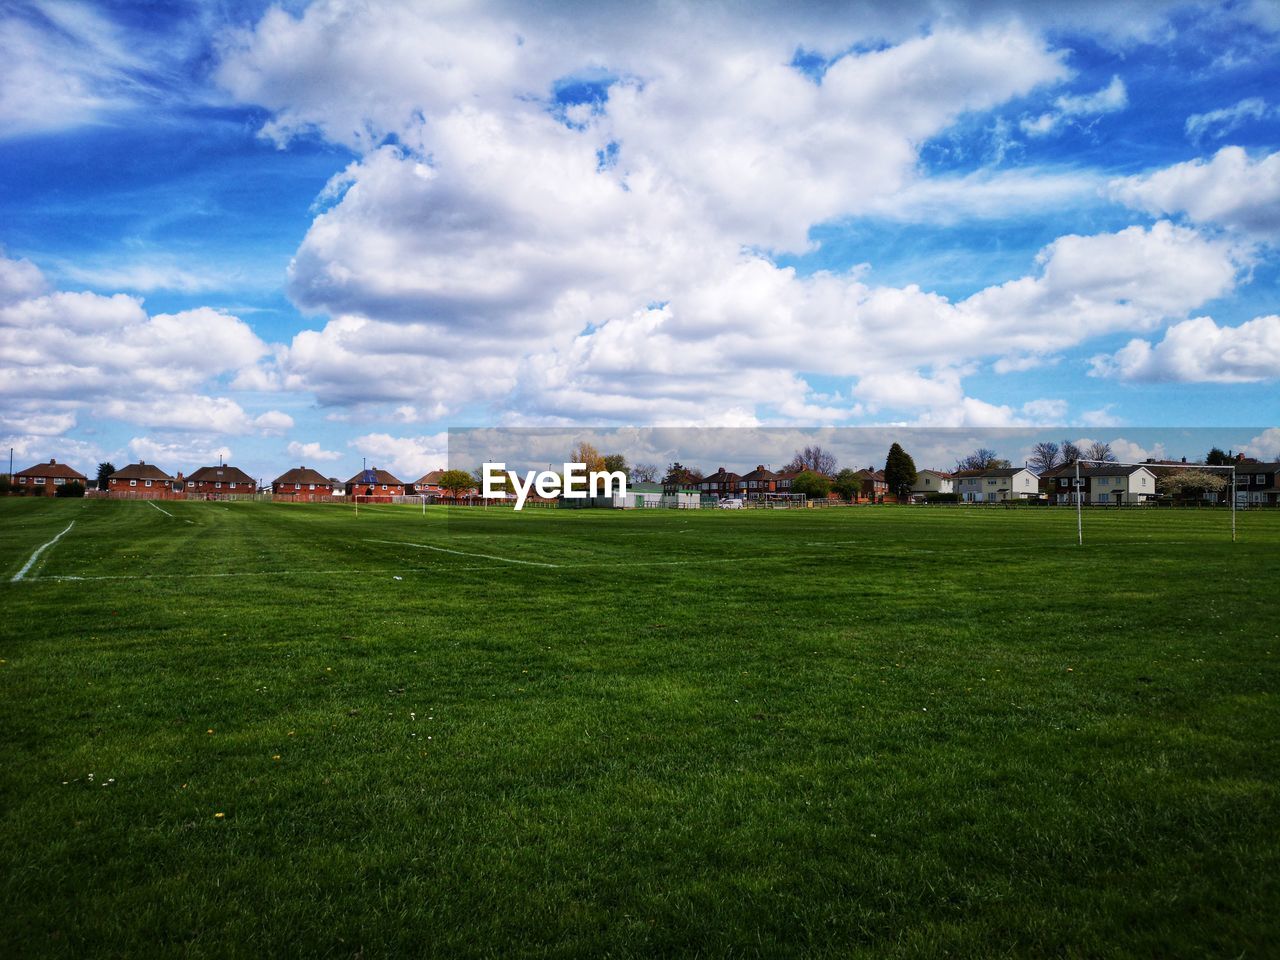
[983, 458]
[1099, 451]
[1070, 452]
[813, 458]
[1045, 456]
[646, 473]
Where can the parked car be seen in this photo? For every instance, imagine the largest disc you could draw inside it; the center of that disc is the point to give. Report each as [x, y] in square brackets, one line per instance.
[730, 503]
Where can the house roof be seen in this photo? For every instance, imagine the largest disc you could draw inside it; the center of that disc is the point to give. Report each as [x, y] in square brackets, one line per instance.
[223, 474]
[51, 469]
[140, 471]
[996, 472]
[937, 473]
[720, 476]
[1115, 470]
[302, 475]
[429, 479]
[760, 473]
[374, 475]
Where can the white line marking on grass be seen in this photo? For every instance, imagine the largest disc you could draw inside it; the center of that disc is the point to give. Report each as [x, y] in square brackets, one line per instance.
[463, 553]
[161, 509]
[39, 550]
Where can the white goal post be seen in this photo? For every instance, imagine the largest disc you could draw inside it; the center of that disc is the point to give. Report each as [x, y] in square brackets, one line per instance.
[1077, 490]
[782, 501]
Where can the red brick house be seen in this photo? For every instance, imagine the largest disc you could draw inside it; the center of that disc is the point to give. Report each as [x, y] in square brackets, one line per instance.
[429, 485]
[720, 484]
[145, 481]
[375, 483]
[45, 478]
[759, 482]
[303, 484]
[874, 486]
[220, 481]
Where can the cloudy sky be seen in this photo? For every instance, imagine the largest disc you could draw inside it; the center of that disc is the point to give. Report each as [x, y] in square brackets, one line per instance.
[307, 233]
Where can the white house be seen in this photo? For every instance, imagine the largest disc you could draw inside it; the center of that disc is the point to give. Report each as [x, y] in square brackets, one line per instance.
[996, 485]
[1116, 484]
[932, 481]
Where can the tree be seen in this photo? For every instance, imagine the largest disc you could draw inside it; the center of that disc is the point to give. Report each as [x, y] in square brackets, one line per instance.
[1045, 456]
[616, 462]
[645, 473]
[73, 489]
[981, 459]
[587, 454]
[813, 458]
[105, 470]
[815, 486]
[456, 482]
[1191, 483]
[848, 484]
[1099, 451]
[1070, 452]
[899, 471]
[679, 475]
[1217, 457]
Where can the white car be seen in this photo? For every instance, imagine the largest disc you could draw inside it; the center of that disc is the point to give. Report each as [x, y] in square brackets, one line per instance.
[730, 503]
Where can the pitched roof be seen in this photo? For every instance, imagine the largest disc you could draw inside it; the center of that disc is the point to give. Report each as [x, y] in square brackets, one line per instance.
[140, 471]
[760, 473]
[302, 475]
[374, 475]
[223, 474]
[993, 472]
[51, 469]
[1115, 470]
[429, 479]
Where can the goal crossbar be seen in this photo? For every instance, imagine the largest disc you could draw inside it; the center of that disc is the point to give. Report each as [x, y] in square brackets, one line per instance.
[1079, 486]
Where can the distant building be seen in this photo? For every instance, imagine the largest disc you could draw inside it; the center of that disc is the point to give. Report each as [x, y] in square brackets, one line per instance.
[145, 481]
[720, 484]
[46, 478]
[220, 481]
[932, 481]
[375, 483]
[996, 485]
[304, 484]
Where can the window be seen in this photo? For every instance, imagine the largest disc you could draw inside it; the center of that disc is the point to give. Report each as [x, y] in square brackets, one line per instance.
[148, 483]
[297, 486]
[217, 486]
[39, 481]
[1144, 481]
[134, 483]
[233, 486]
[1260, 479]
[1063, 481]
[22, 479]
[58, 481]
[310, 486]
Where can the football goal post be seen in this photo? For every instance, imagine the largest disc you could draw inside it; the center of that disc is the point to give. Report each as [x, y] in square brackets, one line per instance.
[1091, 469]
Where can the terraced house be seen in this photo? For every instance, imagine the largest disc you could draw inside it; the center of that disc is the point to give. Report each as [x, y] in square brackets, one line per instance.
[996, 485]
[1258, 483]
[46, 478]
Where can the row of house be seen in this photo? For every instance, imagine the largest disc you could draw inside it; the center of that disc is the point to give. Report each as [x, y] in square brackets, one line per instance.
[1256, 483]
[1110, 484]
[144, 480]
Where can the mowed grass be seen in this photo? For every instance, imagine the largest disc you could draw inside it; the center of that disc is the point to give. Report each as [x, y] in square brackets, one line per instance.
[867, 732]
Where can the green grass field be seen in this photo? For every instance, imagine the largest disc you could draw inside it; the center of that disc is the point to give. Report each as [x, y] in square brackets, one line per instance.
[259, 730]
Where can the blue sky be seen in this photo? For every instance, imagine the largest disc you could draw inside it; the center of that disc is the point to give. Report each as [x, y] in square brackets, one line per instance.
[312, 233]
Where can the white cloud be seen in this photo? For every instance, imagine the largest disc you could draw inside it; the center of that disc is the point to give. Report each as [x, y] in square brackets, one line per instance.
[311, 451]
[186, 454]
[1265, 446]
[1231, 190]
[1200, 351]
[1218, 123]
[406, 457]
[1110, 99]
[79, 351]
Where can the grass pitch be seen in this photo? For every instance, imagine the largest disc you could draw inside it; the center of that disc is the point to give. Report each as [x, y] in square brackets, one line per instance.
[258, 730]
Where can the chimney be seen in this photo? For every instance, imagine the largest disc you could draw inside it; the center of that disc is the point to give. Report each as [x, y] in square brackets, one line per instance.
[52, 461]
[1184, 459]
